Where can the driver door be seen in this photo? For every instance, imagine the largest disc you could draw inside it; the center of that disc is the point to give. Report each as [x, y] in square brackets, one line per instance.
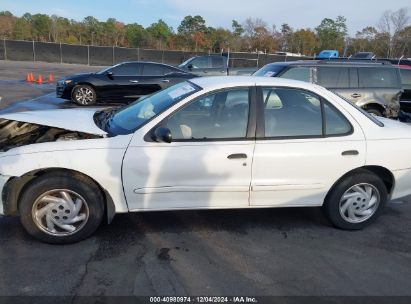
[207, 164]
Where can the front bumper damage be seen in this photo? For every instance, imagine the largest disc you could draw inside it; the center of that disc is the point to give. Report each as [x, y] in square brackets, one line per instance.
[3, 181]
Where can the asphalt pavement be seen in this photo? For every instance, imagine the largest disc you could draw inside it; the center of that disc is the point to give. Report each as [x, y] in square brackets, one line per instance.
[280, 252]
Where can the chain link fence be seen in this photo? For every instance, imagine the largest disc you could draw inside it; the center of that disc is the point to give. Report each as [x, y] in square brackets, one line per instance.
[107, 56]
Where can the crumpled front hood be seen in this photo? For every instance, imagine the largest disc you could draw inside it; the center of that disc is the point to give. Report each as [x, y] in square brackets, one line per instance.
[79, 120]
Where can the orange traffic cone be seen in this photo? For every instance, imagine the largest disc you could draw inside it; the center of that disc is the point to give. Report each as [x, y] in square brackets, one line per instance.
[28, 78]
[40, 79]
[50, 78]
[31, 77]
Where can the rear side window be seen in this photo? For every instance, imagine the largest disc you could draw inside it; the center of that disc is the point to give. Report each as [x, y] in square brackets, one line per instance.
[377, 77]
[291, 113]
[153, 70]
[217, 62]
[334, 77]
[126, 69]
[298, 73]
[335, 122]
[297, 113]
[406, 77]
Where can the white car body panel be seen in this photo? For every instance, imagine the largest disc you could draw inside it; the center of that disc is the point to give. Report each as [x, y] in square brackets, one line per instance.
[100, 159]
[157, 176]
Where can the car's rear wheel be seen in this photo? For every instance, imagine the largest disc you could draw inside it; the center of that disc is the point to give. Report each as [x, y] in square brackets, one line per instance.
[84, 95]
[61, 208]
[356, 201]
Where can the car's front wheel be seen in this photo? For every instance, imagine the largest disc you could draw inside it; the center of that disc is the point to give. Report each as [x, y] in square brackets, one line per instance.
[61, 208]
[84, 95]
[356, 201]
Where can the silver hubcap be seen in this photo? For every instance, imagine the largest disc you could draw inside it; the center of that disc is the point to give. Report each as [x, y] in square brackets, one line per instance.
[84, 96]
[60, 212]
[359, 203]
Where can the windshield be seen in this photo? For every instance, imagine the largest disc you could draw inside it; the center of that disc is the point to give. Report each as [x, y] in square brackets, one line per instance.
[135, 115]
[185, 63]
[269, 70]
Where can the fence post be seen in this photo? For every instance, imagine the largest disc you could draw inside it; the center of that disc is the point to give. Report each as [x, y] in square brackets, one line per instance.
[5, 51]
[88, 55]
[138, 54]
[113, 54]
[162, 56]
[34, 52]
[61, 54]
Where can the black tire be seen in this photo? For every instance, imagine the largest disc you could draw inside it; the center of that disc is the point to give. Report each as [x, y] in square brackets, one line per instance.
[332, 202]
[88, 94]
[374, 110]
[81, 185]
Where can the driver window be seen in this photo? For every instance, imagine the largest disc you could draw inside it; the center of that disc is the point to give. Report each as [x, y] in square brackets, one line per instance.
[216, 116]
[200, 63]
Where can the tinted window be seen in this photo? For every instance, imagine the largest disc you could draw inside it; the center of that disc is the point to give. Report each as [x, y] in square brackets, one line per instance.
[291, 112]
[333, 77]
[336, 123]
[270, 70]
[406, 77]
[153, 70]
[126, 69]
[377, 78]
[217, 62]
[200, 63]
[297, 73]
[216, 116]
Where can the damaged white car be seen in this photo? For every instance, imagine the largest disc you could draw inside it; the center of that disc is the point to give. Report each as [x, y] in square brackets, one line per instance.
[208, 143]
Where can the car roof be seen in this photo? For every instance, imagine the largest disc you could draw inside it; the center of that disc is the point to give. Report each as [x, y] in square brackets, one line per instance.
[221, 82]
[334, 62]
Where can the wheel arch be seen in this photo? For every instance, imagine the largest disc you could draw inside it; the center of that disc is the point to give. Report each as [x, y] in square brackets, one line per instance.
[15, 187]
[383, 173]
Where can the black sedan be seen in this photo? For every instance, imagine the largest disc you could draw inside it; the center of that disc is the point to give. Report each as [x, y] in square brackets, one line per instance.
[123, 82]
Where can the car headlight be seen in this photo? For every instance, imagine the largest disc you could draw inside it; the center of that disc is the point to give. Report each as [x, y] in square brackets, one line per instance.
[67, 81]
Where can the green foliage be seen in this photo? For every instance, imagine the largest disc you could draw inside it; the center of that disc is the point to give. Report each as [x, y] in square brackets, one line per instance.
[332, 33]
[392, 37]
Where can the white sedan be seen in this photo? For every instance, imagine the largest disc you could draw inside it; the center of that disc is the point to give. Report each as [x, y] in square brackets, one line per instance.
[208, 143]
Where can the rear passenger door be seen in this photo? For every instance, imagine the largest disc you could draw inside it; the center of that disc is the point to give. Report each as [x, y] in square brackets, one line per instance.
[304, 144]
[153, 78]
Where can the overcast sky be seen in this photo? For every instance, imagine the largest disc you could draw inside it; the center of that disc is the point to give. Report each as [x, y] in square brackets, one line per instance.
[297, 13]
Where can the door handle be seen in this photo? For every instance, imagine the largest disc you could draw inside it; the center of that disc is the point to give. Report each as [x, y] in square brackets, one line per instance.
[237, 156]
[350, 153]
[165, 80]
[356, 95]
[134, 81]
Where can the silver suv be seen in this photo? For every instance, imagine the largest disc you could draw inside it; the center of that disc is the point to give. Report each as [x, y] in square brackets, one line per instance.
[374, 86]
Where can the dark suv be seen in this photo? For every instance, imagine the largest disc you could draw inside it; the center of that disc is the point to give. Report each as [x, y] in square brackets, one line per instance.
[374, 86]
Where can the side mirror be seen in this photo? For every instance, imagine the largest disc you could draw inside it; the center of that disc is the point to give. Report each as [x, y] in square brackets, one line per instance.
[110, 75]
[162, 135]
[190, 66]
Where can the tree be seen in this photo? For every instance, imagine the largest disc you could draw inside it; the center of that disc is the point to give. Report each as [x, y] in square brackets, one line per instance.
[41, 24]
[7, 21]
[332, 33]
[135, 34]
[161, 32]
[305, 42]
[390, 25]
[237, 28]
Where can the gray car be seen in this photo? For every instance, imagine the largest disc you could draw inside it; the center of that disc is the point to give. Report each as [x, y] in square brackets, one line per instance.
[373, 86]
